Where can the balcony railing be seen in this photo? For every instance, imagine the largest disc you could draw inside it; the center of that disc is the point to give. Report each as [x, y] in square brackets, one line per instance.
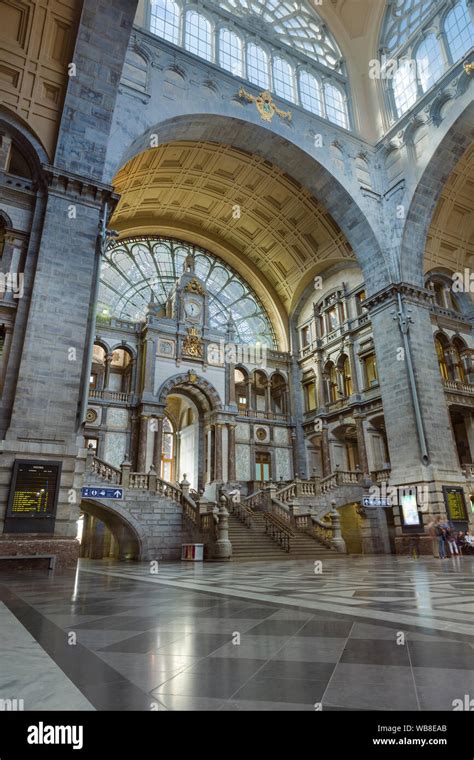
[107, 395]
[456, 385]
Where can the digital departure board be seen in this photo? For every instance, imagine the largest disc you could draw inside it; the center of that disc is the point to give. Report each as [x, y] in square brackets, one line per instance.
[33, 496]
[455, 503]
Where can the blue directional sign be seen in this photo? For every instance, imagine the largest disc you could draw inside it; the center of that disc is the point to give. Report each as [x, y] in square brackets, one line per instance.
[95, 492]
[368, 502]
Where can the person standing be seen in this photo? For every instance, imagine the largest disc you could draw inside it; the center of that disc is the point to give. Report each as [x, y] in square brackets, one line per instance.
[440, 532]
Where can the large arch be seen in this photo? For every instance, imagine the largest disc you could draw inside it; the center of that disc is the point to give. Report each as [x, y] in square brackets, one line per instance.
[450, 149]
[296, 162]
[130, 534]
[189, 384]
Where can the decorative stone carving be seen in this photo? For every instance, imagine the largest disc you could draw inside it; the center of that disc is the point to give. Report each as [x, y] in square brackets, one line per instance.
[192, 344]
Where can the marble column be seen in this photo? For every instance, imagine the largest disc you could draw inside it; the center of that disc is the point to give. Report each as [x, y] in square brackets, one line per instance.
[249, 393]
[326, 459]
[218, 452]
[8, 332]
[231, 476]
[142, 443]
[108, 362]
[268, 397]
[363, 459]
[157, 446]
[353, 366]
[320, 398]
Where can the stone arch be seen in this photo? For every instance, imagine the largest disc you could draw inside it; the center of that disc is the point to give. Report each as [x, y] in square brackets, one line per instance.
[134, 538]
[297, 162]
[428, 189]
[189, 382]
[26, 139]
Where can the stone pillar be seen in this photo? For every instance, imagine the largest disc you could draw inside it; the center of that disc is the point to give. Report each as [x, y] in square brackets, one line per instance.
[108, 362]
[218, 452]
[8, 330]
[320, 397]
[142, 443]
[326, 459]
[404, 440]
[157, 445]
[294, 452]
[353, 366]
[268, 397]
[135, 428]
[231, 473]
[223, 547]
[363, 459]
[249, 393]
[337, 540]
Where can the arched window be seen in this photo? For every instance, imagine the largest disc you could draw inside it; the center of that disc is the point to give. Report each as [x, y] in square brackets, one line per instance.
[441, 349]
[429, 62]
[167, 451]
[198, 35]
[459, 30]
[404, 86]
[278, 394]
[402, 19]
[165, 20]
[97, 376]
[309, 390]
[120, 377]
[257, 66]
[335, 105]
[231, 56]
[344, 368]
[331, 382]
[241, 389]
[283, 78]
[259, 392]
[460, 358]
[310, 93]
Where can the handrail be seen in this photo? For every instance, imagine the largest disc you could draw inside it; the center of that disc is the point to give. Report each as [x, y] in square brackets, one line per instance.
[109, 395]
[281, 511]
[106, 471]
[243, 513]
[322, 530]
[277, 531]
[458, 385]
[255, 499]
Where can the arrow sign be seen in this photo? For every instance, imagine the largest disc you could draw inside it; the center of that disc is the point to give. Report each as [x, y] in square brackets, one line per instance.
[368, 502]
[102, 493]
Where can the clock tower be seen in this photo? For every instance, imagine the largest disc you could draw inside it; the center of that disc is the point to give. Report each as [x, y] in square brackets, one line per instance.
[188, 302]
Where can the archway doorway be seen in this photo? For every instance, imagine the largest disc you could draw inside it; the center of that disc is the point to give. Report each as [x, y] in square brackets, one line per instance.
[106, 534]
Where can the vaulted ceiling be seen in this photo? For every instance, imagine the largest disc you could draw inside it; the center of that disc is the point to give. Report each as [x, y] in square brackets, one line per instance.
[450, 242]
[238, 206]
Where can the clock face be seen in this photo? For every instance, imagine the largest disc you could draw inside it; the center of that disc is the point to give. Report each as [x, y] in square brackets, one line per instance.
[193, 309]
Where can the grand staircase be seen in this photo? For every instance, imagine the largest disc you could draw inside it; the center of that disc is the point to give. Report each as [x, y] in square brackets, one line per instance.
[251, 543]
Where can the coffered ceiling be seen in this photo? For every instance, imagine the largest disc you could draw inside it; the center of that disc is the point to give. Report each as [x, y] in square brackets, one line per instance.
[450, 242]
[238, 206]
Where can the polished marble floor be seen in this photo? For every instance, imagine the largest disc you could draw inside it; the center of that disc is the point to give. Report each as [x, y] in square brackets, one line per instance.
[359, 633]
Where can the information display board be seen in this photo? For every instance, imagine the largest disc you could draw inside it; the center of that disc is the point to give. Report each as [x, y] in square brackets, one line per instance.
[455, 503]
[409, 510]
[33, 496]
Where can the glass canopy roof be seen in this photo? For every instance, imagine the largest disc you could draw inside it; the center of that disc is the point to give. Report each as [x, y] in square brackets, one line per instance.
[135, 268]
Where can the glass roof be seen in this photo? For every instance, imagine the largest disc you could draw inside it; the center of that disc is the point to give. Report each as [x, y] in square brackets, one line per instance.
[293, 22]
[402, 19]
[134, 268]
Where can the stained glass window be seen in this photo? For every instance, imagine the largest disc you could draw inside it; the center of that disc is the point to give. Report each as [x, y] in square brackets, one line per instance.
[135, 268]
